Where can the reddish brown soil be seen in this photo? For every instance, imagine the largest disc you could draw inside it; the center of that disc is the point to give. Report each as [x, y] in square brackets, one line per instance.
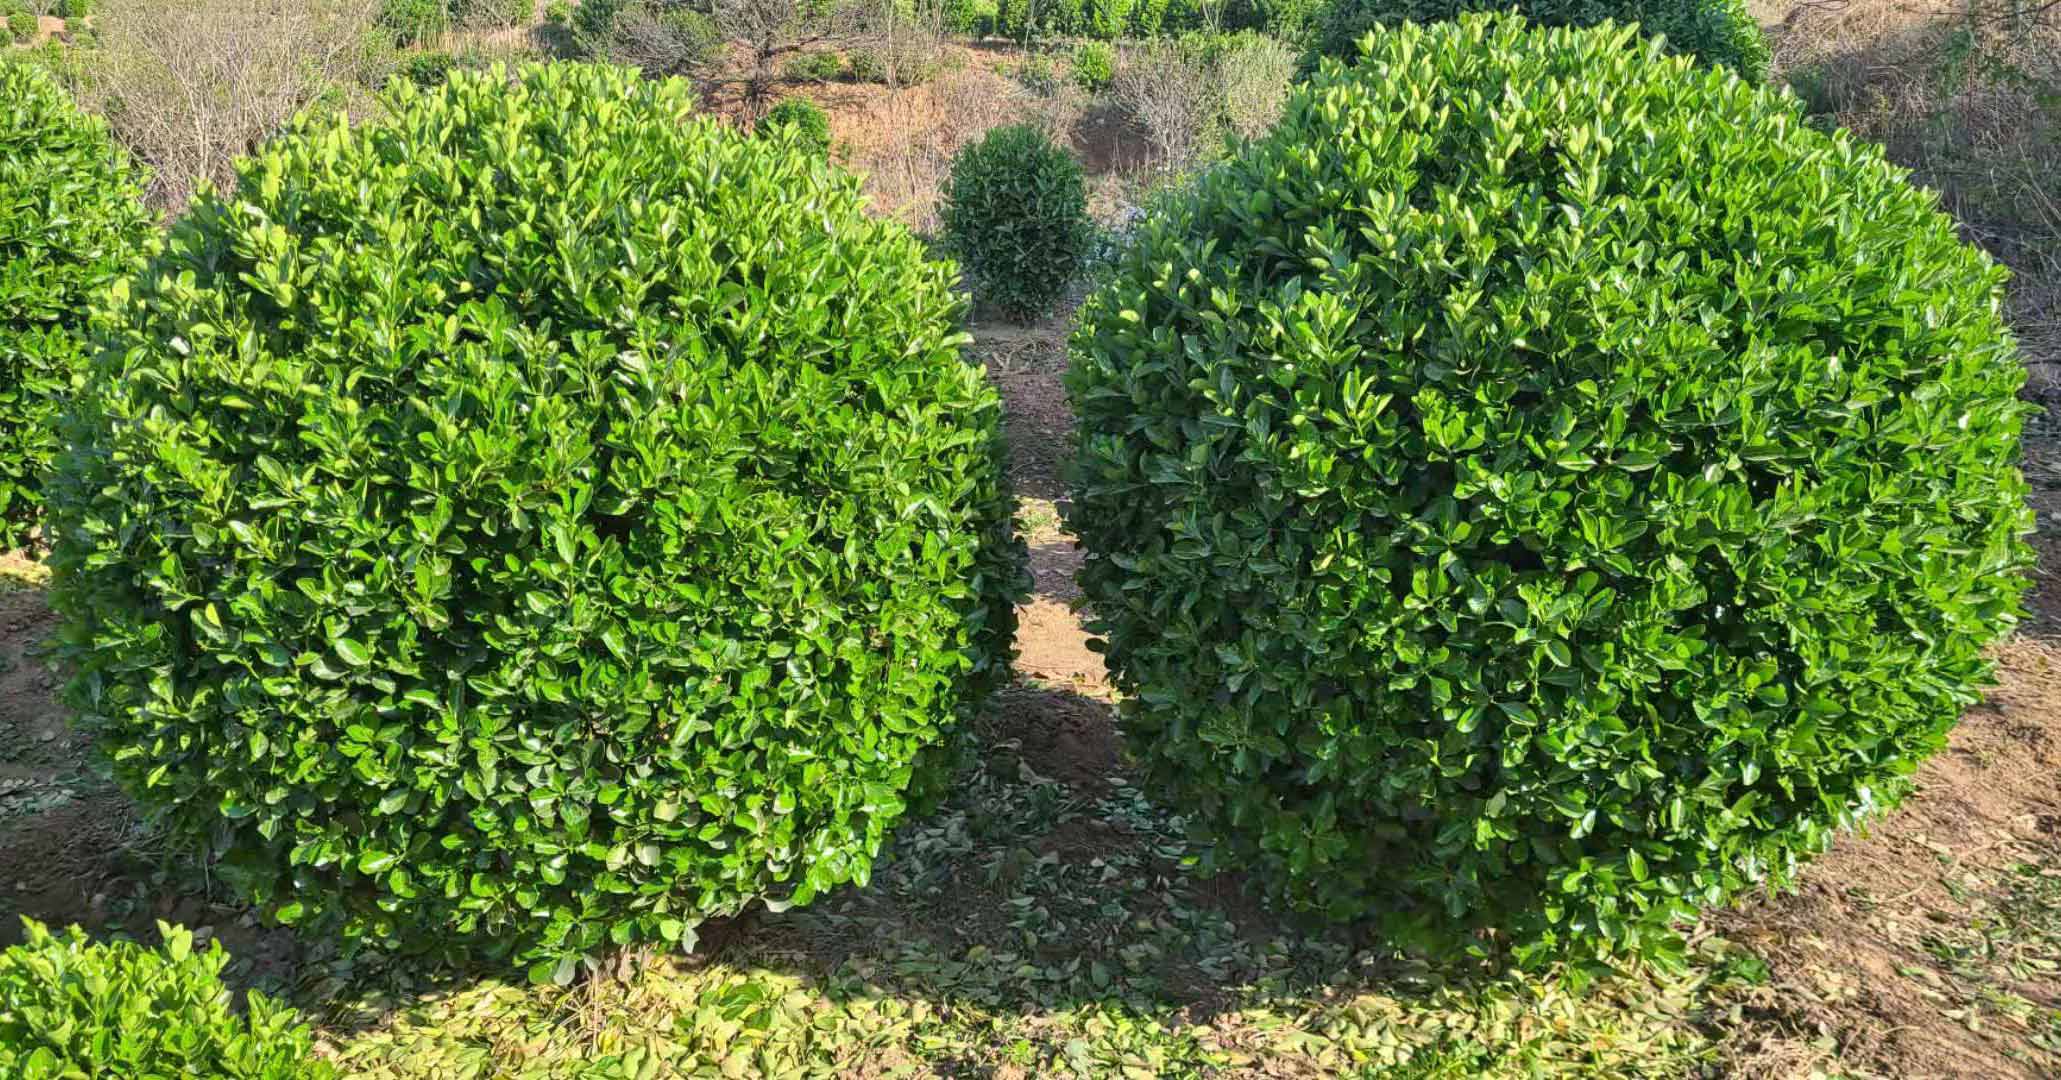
[1025, 364]
[1063, 735]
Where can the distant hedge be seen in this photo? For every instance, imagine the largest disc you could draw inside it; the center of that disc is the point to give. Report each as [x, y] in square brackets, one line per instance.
[1544, 486]
[1721, 32]
[74, 1008]
[534, 522]
[71, 219]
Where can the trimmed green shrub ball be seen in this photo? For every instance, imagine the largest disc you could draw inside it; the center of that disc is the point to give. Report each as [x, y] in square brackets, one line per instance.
[801, 120]
[1016, 215]
[71, 219]
[535, 522]
[71, 1007]
[1546, 486]
[1721, 32]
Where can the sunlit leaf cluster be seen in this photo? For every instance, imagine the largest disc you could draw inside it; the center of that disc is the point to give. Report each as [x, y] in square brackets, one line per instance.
[71, 219]
[71, 1007]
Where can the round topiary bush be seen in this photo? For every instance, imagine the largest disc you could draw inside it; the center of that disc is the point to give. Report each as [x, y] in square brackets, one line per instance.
[1721, 32]
[800, 120]
[541, 520]
[71, 1007]
[1544, 485]
[71, 219]
[1015, 214]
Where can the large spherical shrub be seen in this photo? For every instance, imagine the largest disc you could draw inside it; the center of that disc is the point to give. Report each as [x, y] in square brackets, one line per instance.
[1016, 215]
[1721, 32]
[72, 1007]
[71, 217]
[542, 519]
[1544, 485]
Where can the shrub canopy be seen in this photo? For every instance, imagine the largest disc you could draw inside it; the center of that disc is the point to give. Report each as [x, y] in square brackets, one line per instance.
[1544, 485]
[539, 520]
[71, 218]
[1016, 215]
[1721, 32]
[70, 1007]
[797, 118]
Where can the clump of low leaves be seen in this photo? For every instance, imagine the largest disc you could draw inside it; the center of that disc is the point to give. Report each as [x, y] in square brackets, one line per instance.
[1015, 214]
[1720, 32]
[533, 523]
[801, 120]
[72, 1007]
[1094, 65]
[71, 218]
[1544, 486]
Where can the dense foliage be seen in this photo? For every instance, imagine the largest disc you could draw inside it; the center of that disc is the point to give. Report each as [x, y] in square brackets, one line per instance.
[798, 119]
[866, 65]
[70, 1007]
[1015, 214]
[427, 68]
[71, 217]
[815, 66]
[538, 520]
[1544, 485]
[492, 14]
[1094, 65]
[1291, 20]
[1722, 32]
[412, 22]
